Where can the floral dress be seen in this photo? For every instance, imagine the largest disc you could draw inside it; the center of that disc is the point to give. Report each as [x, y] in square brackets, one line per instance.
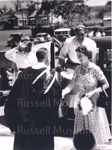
[96, 121]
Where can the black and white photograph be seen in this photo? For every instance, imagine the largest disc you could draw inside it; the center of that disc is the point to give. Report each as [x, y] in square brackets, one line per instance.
[55, 75]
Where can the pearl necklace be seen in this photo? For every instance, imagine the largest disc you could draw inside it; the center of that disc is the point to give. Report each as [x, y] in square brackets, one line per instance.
[85, 67]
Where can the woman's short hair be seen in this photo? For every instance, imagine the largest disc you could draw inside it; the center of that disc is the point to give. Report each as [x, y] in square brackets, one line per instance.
[85, 51]
[84, 140]
[42, 53]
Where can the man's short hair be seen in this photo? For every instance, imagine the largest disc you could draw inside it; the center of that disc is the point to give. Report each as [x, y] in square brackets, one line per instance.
[84, 140]
[42, 53]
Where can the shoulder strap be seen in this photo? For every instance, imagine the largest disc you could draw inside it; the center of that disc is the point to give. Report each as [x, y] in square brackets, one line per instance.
[40, 75]
[50, 85]
[105, 92]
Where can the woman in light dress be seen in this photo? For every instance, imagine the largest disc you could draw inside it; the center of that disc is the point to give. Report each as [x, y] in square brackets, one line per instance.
[86, 77]
[22, 56]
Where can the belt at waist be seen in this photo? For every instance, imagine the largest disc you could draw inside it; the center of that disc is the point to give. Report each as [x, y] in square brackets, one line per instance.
[72, 63]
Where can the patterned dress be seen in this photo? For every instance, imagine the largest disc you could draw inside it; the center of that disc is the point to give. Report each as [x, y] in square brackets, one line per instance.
[96, 121]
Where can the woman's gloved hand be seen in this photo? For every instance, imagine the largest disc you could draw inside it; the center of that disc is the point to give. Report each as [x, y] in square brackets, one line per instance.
[90, 94]
[97, 90]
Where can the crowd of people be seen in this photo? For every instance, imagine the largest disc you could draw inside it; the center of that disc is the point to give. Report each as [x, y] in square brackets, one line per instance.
[98, 33]
[33, 101]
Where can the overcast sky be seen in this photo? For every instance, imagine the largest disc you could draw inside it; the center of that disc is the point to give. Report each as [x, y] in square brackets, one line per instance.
[96, 2]
[88, 2]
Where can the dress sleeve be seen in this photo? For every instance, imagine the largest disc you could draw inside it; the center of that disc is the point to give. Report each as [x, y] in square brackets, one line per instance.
[99, 74]
[64, 51]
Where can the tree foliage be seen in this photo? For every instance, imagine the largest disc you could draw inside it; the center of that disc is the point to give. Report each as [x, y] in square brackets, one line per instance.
[67, 9]
[106, 8]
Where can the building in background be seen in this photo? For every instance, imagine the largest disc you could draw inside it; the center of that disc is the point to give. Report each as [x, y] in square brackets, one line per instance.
[107, 19]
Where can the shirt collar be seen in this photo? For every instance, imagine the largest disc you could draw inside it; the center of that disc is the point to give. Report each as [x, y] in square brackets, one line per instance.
[39, 65]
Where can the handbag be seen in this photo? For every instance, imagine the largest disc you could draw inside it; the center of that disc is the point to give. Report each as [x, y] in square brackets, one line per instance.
[103, 100]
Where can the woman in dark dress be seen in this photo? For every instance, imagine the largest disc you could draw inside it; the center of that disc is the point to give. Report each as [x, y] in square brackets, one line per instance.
[35, 111]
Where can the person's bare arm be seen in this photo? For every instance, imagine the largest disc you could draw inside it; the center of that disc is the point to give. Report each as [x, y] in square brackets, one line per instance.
[63, 54]
[11, 54]
[101, 77]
